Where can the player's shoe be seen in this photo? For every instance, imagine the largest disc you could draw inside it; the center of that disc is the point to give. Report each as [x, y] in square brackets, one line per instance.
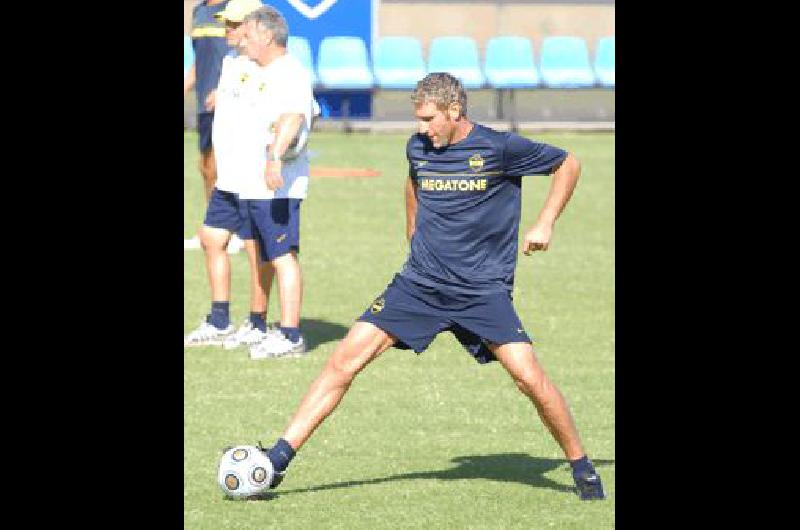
[207, 334]
[235, 244]
[277, 478]
[277, 345]
[588, 486]
[248, 335]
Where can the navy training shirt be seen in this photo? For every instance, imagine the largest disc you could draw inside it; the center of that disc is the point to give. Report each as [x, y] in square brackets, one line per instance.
[210, 46]
[468, 208]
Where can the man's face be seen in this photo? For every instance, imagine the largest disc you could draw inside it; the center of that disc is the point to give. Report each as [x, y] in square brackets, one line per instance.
[252, 40]
[435, 123]
[233, 33]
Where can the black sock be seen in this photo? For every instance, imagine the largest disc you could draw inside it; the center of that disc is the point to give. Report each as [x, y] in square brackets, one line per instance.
[582, 466]
[280, 455]
[293, 334]
[219, 317]
[259, 321]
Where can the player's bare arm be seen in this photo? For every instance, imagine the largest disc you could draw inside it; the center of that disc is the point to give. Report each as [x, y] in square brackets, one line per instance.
[564, 180]
[211, 100]
[411, 207]
[286, 129]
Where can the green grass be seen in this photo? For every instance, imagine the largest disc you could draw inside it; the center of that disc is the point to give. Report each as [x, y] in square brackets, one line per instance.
[429, 441]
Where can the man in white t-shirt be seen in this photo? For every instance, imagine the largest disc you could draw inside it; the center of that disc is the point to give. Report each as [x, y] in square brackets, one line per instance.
[226, 216]
[272, 126]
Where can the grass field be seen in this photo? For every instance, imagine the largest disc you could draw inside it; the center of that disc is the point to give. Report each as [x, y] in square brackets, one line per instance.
[428, 441]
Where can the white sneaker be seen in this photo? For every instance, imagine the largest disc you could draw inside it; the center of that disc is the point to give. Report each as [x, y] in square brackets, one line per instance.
[277, 345]
[191, 244]
[208, 335]
[235, 244]
[247, 335]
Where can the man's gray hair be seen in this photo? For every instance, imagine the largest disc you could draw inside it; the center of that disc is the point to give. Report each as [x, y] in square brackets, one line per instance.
[441, 88]
[271, 19]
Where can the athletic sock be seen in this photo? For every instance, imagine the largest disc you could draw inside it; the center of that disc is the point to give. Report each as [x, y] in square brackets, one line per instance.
[293, 334]
[259, 321]
[582, 466]
[219, 317]
[280, 455]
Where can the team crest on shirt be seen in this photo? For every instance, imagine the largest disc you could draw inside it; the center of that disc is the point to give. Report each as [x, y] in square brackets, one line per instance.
[262, 86]
[378, 305]
[476, 162]
[245, 77]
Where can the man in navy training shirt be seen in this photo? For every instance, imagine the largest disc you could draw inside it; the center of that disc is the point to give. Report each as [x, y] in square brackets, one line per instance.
[462, 218]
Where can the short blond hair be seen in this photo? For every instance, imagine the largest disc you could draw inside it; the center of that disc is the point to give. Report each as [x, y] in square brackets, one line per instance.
[442, 89]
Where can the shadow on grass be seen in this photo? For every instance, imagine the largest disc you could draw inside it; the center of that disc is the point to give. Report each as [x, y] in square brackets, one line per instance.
[506, 467]
[316, 332]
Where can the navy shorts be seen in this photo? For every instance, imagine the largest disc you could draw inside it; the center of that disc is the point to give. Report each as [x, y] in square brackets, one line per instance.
[276, 226]
[227, 211]
[416, 313]
[205, 121]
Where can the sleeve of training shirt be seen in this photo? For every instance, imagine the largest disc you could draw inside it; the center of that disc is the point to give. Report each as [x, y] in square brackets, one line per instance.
[527, 157]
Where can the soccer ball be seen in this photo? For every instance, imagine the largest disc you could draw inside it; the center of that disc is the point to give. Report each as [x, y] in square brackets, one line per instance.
[244, 471]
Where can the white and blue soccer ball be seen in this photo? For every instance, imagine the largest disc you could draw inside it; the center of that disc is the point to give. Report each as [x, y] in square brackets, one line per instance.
[244, 471]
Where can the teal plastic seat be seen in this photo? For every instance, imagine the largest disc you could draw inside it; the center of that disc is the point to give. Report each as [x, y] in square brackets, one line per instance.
[604, 64]
[459, 57]
[398, 62]
[565, 63]
[342, 63]
[509, 63]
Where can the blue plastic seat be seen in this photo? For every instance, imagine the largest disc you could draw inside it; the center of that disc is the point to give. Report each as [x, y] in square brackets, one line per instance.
[459, 57]
[509, 63]
[604, 64]
[398, 62]
[188, 54]
[301, 49]
[342, 63]
[565, 63]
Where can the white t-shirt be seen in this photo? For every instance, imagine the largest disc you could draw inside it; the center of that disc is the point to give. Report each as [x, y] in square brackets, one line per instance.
[235, 81]
[260, 95]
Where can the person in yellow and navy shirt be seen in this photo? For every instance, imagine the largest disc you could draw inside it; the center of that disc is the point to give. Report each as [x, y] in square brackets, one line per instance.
[463, 203]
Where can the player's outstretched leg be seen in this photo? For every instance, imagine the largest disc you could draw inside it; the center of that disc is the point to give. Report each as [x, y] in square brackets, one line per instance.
[363, 343]
[520, 362]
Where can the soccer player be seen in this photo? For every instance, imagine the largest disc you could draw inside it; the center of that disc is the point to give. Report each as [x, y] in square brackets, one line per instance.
[462, 216]
[268, 134]
[226, 214]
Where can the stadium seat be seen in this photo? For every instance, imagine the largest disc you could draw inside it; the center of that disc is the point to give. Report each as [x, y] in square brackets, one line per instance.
[604, 67]
[188, 54]
[509, 63]
[398, 62]
[301, 49]
[565, 63]
[459, 57]
[342, 63]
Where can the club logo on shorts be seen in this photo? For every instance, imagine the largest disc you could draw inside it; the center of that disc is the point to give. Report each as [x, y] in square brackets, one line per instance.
[378, 305]
[280, 238]
[476, 162]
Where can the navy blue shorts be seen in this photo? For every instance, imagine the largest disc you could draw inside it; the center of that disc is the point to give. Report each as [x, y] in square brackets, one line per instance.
[276, 225]
[205, 121]
[415, 314]
[227, 211]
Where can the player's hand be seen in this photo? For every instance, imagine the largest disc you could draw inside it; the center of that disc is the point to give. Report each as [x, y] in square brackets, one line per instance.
[211, 100]
[537, 238]
[273, 174]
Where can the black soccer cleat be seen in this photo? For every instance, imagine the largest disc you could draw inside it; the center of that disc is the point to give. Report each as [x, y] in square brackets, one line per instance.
[277, 478]
[589, 486]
